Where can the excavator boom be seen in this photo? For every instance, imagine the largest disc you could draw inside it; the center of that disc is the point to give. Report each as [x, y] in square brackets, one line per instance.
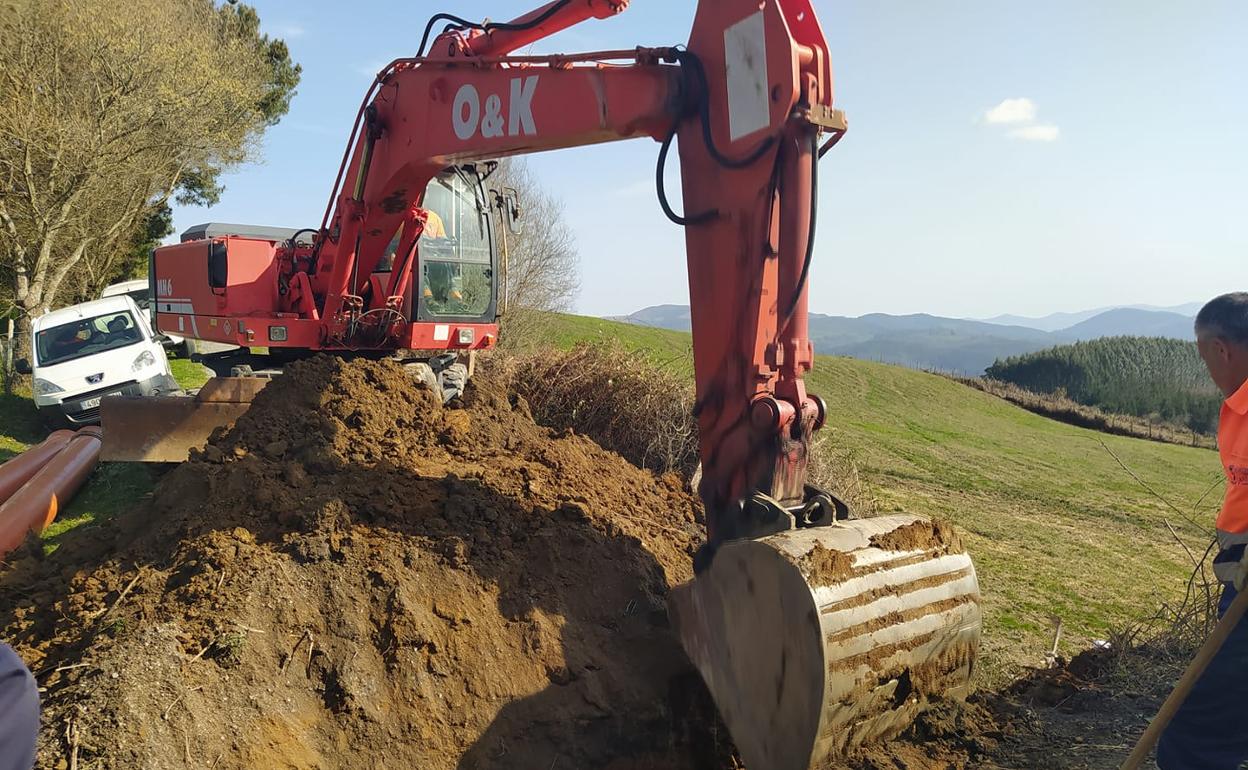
[814, 631]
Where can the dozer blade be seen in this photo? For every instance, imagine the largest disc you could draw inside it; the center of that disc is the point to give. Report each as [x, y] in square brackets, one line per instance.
[163, 429]
[815, 641]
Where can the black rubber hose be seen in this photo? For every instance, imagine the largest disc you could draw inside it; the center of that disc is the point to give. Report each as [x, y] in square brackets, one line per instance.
[460, 23]
[295, 238]
[704, 116]
[831, 143]
[658, 183]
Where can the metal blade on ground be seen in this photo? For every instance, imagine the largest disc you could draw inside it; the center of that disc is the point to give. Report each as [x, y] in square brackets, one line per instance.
[163, 429]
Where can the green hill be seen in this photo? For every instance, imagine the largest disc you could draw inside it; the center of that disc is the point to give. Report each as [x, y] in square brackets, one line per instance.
[1056, 526]
[1144, 376]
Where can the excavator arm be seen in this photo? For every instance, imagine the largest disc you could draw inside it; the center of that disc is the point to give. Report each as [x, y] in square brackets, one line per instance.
[747, 101]
[813, 633]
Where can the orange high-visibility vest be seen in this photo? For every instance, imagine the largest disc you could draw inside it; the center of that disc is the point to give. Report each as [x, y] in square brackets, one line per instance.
[1233, 447]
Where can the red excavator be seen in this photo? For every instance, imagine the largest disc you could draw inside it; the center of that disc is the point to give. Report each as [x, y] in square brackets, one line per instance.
[813, 630]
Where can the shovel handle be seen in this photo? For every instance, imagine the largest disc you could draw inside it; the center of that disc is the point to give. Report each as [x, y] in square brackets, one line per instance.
[1181, 690]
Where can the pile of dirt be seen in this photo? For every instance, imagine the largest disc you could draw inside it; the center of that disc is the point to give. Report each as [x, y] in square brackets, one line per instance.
[1047, 719]
[358, 576]
[355, 575]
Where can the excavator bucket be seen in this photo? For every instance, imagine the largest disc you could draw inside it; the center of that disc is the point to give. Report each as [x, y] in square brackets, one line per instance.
[815, 641]
[163, 429]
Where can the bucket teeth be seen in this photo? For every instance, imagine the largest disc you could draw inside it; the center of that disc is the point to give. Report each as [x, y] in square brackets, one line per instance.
[815, 641]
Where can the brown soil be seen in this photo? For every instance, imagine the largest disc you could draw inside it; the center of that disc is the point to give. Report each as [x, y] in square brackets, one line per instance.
[826, 566]
[936, 533]
[1050, 719]
[356, 576]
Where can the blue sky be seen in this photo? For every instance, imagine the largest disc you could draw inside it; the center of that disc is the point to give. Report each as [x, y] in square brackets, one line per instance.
[1002, 156]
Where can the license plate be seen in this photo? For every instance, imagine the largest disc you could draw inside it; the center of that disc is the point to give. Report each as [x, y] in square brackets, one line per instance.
[90, 403]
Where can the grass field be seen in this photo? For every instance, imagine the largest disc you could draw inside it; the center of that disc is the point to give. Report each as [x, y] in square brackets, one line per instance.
[188, 373]
[660, 344]
[1056, 526]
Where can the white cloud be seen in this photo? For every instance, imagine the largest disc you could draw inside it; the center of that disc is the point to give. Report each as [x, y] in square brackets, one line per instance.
[1021, 110]
[290, 30]
[1045, 132]
[1019, 114]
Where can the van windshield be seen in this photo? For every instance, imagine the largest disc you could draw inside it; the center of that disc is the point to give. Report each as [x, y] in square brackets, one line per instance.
[86, 337]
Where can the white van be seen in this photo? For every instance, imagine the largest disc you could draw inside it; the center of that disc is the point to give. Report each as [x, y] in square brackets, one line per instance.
[85, 352]
[140, 291]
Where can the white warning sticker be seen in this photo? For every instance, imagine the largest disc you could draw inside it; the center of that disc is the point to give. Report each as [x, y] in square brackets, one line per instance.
[745, 59]
[441, 332]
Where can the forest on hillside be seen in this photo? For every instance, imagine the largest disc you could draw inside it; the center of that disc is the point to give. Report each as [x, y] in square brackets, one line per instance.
[1153, 377]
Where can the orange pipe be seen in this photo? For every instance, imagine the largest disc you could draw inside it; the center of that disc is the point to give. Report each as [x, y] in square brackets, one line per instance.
[36, 504]
[20, 469]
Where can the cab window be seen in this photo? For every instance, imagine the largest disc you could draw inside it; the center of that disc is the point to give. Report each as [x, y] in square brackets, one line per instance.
[456, 257]
[456, 273]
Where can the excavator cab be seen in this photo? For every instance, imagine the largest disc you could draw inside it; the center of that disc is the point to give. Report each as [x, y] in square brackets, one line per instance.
[460, 268]
[232, 280]
[459, 255]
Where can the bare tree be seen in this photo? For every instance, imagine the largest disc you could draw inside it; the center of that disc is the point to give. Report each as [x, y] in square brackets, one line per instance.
[108, 109]
[543, 265]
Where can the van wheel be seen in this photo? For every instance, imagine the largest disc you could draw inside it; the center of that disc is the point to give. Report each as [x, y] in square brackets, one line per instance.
[188, 348]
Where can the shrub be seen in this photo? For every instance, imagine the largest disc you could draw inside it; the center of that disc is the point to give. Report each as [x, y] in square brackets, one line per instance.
[620, 399]
[644, 412]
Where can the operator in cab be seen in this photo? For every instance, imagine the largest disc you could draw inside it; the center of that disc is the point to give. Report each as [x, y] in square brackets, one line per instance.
[434, 228]
[439, 284]
[1210, 730]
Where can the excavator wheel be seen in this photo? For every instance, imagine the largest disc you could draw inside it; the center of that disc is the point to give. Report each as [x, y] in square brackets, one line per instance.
[815, 641]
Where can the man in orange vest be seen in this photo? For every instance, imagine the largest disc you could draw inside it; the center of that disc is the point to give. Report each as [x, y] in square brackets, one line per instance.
[1210, 731]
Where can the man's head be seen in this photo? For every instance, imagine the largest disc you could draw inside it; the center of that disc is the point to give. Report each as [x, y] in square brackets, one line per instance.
[1222, 338]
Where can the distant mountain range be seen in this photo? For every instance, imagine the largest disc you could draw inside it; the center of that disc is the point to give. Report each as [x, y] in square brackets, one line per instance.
[1058, 321]
[959, 345]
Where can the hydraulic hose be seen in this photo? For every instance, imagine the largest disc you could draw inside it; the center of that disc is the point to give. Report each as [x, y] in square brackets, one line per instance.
[810, 237]
[485, 26]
